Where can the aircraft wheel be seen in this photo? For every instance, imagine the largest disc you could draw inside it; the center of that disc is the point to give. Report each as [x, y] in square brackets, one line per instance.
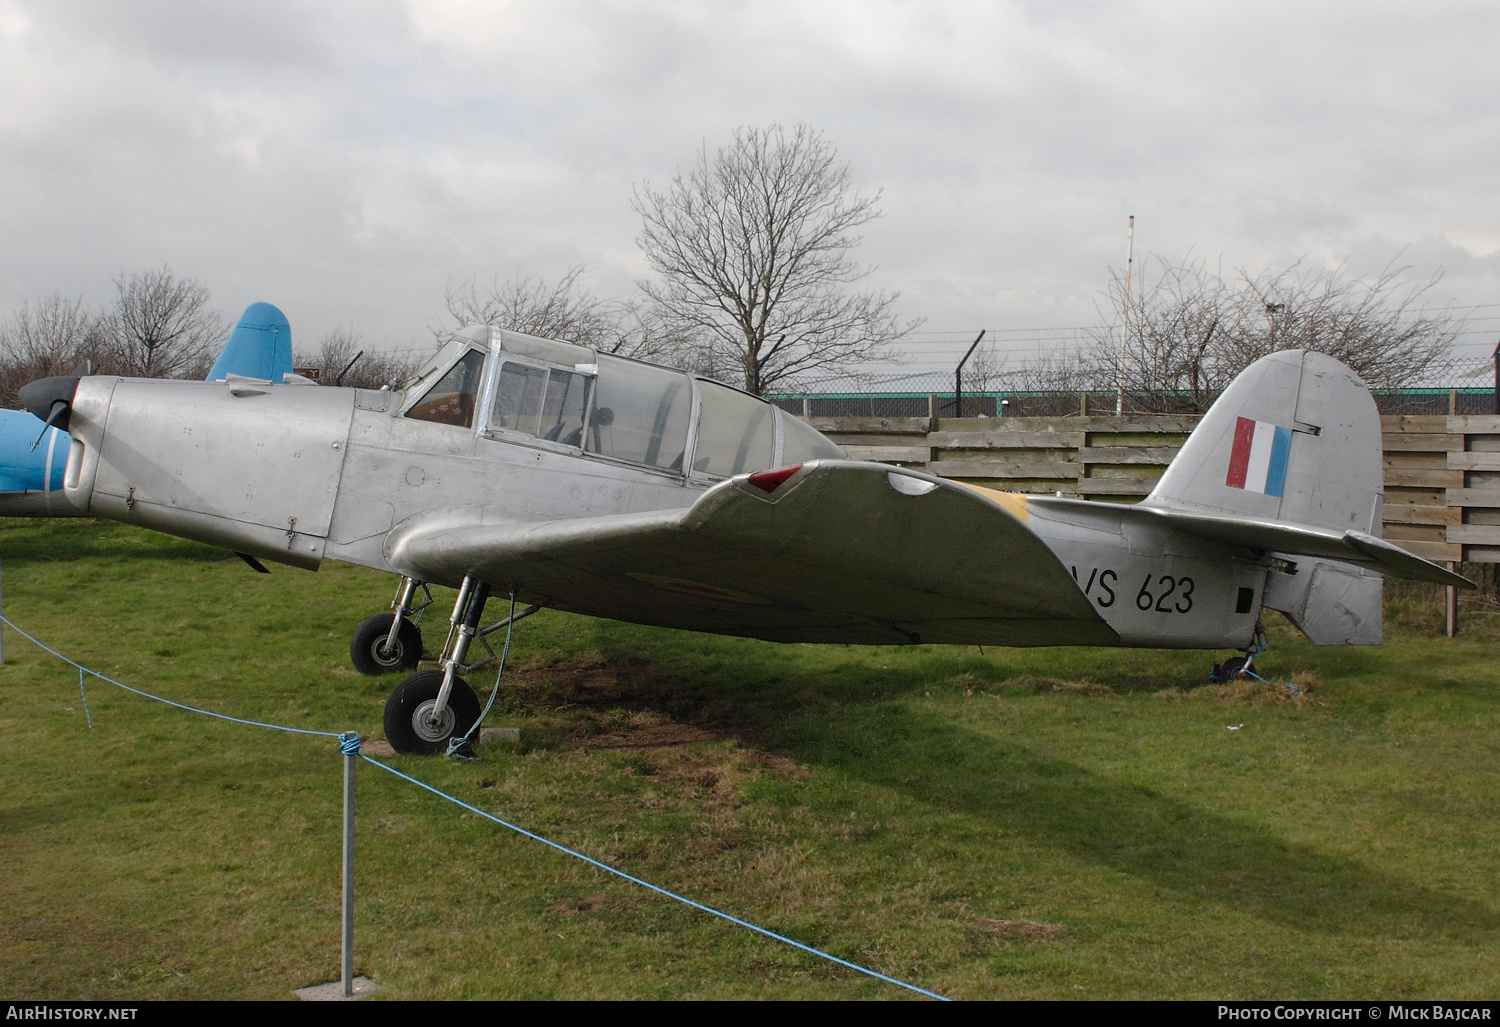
[1231, 669]
[408, 727]
[367, 649]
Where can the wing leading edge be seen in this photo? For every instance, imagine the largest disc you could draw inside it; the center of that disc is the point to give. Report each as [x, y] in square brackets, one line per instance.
[841, 551]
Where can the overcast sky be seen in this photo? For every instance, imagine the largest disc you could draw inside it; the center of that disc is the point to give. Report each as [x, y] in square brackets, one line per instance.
[347, 161]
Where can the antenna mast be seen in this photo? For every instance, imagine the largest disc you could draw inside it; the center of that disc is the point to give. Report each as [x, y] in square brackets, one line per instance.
[1124, 321]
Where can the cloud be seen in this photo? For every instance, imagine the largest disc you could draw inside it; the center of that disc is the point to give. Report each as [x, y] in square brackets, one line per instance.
[348, 160]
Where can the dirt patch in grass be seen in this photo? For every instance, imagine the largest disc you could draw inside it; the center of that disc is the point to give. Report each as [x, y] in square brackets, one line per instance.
[589, 685]
[668, 754]
[597, 903]
[648, 736]
[610, 706]
[1030, 683]
[1021, 928]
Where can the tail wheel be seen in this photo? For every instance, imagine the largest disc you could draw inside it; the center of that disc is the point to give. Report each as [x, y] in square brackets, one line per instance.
[369, 653]
[1232, 669]
[409, 725]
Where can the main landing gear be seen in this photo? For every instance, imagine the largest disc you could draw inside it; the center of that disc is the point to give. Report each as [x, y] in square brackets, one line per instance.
[1239, 668]
[391, 641]
[433, 707]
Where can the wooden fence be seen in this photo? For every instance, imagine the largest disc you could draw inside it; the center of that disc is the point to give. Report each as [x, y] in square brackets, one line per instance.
[1442, 473]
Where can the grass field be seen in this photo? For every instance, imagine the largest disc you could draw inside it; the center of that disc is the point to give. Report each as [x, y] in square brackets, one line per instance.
[1008, 824]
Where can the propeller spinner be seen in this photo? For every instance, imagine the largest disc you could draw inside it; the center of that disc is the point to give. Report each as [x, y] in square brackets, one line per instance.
[51, 399]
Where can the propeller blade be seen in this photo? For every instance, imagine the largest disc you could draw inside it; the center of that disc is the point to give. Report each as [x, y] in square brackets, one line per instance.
[51, 399]
[59, 412]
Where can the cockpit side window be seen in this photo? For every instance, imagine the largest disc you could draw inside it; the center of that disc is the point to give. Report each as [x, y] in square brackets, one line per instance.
[451, 400]
[736, 432]
[640, 413]
[547, 403]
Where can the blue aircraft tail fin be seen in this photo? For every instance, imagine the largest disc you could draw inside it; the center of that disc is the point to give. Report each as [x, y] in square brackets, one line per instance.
[259, 347]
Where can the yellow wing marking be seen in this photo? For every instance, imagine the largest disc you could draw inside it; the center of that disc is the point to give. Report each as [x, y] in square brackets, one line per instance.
[1013, 503]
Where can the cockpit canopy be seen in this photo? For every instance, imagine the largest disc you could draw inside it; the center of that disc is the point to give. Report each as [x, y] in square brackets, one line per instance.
[555, 395]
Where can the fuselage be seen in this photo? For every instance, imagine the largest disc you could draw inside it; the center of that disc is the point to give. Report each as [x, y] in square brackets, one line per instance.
[526, 432]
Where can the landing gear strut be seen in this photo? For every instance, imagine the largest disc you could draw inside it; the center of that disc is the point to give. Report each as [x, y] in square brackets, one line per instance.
[391, 641]
[1238, 668]
[432, 707]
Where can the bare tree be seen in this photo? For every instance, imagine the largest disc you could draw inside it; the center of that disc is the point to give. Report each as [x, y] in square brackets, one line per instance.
[565, 310]
[1379, 326]
[335, 357]
[751, 249]
[336, 349]
[162, 326]
[51, 336]
[1192, 330]
[1176, 355]
[1054, 370]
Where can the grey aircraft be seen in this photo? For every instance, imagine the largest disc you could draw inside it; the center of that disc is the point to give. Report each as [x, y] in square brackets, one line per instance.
[563, 478]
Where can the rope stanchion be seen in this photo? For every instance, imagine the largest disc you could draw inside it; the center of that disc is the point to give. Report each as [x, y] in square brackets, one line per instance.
[349, 748]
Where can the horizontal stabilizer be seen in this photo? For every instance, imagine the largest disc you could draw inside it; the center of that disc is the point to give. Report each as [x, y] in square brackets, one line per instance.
[1356, 547]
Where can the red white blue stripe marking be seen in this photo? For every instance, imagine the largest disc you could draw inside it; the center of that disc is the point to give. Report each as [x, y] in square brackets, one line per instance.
[1258, 461]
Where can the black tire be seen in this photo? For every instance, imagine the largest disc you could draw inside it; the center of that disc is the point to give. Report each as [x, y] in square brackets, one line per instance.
[367, 649]
[406, 726]
[1232, 669]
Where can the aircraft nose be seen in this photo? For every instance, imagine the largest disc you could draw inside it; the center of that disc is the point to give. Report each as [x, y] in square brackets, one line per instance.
[51, 399]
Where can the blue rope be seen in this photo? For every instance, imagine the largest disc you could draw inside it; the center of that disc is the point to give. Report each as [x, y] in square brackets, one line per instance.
[82, 670]
[659, 890]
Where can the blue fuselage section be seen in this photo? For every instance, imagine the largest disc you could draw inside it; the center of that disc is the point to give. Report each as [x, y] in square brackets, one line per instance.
[22, 468]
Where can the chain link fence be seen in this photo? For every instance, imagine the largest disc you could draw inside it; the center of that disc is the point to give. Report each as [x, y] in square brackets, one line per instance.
[1460, 386]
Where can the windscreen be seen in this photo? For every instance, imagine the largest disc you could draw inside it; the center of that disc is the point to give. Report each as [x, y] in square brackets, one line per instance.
[451, 400]
[640, 414]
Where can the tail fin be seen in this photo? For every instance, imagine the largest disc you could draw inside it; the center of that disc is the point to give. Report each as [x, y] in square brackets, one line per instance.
[1288, 461]
[259, 347]
[1294, 439]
